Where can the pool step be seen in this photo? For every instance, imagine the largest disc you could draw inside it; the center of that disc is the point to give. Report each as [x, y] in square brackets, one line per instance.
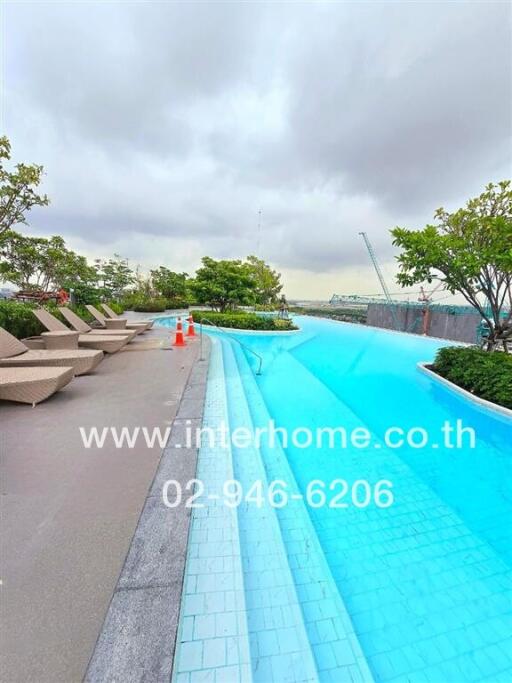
[288, 370]
[411, 576]
[280, 647]
[213, 639]
[337, 651]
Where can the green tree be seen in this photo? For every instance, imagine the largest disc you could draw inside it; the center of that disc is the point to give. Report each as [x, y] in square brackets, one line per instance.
[114, 275]
[169, 284]
[17, 189]
[143, 286]
[267, 281]
[224, 284]
[41, 263]
[470, 252]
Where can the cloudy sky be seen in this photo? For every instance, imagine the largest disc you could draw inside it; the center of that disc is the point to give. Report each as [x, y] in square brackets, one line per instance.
[165, 127]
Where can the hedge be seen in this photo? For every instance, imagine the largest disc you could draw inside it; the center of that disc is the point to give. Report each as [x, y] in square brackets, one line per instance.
[157, 304]
[177, 304]
[17, 318]
[114, 305]
[487, 375]
[242, 321]
[150, 306]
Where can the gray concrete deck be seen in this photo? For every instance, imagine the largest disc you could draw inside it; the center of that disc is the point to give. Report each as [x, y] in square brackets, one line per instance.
[69, 513]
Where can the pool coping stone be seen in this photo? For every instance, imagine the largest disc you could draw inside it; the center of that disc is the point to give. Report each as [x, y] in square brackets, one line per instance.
[138, 637]
[426, 368]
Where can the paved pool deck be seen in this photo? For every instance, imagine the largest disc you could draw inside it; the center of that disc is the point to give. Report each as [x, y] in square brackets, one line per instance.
[70, 514]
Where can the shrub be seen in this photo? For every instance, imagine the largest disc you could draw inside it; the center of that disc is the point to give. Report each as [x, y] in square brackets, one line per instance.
[242, 321]
[487, 375]
[177, 303]
[135, 301]
[129, 300]
[116, 306]
[79, 309]
[266, 307]
[151, 305]
[17, 318]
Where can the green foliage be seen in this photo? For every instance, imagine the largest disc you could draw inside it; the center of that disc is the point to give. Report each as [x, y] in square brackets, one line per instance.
[242, 321]
[267, 282]
[135, 301]
[130, 300]
[85, 293]
[177, 304]
[142, 289]
[46, 264]
[41, 263]
[114, 276]
[487, 375]
[223, 284]
[169, 284]
[470, 252]
[116, 306]
[266, 308]
[17, 189]
[157, 305]
[18, 319]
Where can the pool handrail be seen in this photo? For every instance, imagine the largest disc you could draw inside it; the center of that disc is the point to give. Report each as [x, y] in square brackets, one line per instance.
[230, 336]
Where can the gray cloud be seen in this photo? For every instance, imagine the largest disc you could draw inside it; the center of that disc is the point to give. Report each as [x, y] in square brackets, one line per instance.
[416, 112]
[165, 121]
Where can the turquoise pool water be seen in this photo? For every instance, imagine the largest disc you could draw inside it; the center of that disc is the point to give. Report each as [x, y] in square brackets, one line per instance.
[418, 591]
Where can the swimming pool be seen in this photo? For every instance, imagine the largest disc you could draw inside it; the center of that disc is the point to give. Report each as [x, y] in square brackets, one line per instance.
[417, 591]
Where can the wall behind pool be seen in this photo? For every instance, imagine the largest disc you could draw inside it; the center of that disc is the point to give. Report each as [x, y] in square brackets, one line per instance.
[453, 323]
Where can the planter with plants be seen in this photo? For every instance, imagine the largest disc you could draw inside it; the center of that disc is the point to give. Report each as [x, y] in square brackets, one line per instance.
[242, 320]
[157, 305]
[487, 376]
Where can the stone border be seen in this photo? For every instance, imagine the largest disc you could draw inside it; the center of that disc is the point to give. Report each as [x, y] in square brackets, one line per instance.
[483, 403]
[138, 637]
[233, 330]
[261, 333]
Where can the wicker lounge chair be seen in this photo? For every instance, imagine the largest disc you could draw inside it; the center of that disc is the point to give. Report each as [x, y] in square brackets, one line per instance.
[112, 314]
[121, 323]
[32, 385]
[14, 353]
[81, 326]
[110, 344]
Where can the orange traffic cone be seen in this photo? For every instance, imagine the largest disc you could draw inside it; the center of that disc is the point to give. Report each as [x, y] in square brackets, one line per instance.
[191, 331]
[179, 340]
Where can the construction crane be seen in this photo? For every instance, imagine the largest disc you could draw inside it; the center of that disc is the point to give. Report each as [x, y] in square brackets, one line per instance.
[427, 297]
[382, 281]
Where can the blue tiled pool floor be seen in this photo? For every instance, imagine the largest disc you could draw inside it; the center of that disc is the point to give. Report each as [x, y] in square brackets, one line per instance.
[418, 592]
